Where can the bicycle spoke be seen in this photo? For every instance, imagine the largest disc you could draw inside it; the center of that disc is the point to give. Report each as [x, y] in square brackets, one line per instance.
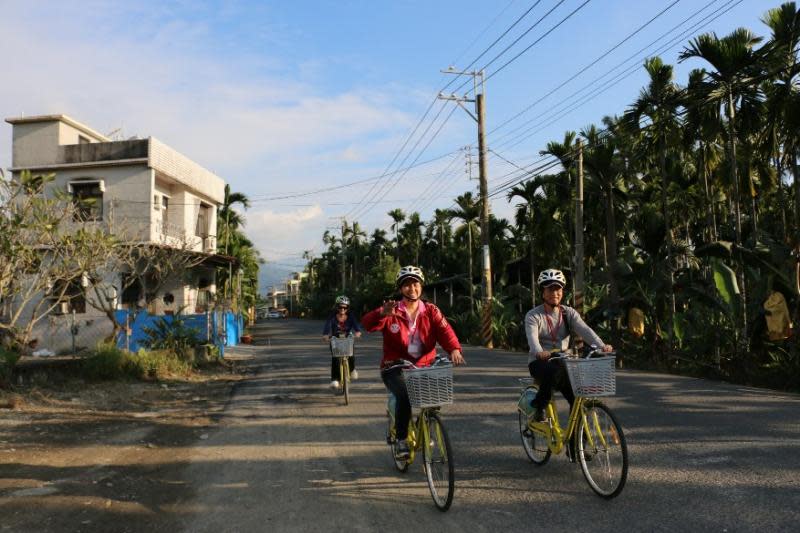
[438, 463]
[602, 452]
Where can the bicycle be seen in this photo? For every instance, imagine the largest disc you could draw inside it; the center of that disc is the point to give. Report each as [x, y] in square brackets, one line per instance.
[429, 388]
[593, 431]
[342, 349]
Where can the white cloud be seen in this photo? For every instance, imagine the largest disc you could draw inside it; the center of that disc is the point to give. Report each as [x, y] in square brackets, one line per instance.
[251, 118]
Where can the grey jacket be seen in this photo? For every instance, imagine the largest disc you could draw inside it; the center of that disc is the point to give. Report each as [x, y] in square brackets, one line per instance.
[540, 336]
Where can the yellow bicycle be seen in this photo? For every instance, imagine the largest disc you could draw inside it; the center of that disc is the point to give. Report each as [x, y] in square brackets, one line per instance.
[428, 389]
[593, 436]
[342, 349]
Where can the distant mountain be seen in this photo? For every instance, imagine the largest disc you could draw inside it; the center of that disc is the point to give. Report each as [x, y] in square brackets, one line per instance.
[273, 274]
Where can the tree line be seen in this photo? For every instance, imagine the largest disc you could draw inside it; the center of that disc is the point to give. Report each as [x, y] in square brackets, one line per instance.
[692, 220]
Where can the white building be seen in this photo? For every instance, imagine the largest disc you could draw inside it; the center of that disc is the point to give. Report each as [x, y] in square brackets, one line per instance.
[159, 196]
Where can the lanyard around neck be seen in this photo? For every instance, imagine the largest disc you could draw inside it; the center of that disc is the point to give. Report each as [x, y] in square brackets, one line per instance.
[554, 331]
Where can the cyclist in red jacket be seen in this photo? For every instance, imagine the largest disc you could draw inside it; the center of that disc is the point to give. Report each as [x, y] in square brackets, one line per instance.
[411, 328]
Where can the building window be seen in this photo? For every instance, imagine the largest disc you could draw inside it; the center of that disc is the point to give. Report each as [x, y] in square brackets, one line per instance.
[68, 297]
[88, 200]
[201, 229]
[164, 214]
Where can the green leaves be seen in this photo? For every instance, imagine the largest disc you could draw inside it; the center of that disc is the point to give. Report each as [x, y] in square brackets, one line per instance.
[727, 287]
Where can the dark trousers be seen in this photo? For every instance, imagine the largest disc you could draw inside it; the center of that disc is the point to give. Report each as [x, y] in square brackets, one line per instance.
[396, 383]
[549, 374]
[335, 374]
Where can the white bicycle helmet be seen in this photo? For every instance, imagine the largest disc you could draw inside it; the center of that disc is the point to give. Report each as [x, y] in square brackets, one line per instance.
[409, 272]
[343, 300]
[551, 276]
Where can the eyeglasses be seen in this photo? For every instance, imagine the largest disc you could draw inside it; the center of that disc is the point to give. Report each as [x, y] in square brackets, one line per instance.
[342, 307]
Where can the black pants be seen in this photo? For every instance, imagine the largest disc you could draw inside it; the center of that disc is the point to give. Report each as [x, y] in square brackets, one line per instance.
[335, 374]
[550, 374]
[396, 383]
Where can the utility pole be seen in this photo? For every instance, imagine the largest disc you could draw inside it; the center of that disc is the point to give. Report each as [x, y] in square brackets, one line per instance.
[344, 266]
[579, 283]
[480, 111]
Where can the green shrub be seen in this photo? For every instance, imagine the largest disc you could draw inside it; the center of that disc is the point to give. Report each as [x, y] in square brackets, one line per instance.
[8, 360]
[173, 335]
[109, 363]
[159, 363]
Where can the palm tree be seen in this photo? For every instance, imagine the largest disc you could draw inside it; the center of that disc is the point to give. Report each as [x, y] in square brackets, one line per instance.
[412, 234]
[353, 235]
[468, 211]
[605, 172]
[783, 96]
[227, 214]
[397, 216]
[734, 59]
[525, 212]
[659, 101]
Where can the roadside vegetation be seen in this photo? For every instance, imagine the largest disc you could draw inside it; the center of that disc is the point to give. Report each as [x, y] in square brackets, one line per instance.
[692, 221]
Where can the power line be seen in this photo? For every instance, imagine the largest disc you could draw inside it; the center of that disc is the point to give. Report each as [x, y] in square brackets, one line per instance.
[548, 32]
[619, 77]
[594, 62]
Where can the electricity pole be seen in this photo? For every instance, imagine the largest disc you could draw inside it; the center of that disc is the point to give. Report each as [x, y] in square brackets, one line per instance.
[480, 111]
[578, 296]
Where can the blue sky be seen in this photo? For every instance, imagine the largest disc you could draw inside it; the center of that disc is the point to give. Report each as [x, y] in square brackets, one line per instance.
[281, 98]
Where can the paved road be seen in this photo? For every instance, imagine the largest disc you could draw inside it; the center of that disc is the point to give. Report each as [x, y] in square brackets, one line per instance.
[289, 456]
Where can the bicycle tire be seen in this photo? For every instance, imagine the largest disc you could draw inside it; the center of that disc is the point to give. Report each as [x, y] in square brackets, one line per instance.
[534, 444]
[438, 463]
[344, 369]
[400, 464]
[604, 456]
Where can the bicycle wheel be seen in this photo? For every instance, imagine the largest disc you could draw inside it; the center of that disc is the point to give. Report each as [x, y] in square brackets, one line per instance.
[602, 452]
[439, 463]
[391, 437]
[533, 442]
[344, 369]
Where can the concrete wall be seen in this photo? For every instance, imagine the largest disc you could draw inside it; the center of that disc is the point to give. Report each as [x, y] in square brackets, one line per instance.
[127, 202]
[182, 169]
[34, 144]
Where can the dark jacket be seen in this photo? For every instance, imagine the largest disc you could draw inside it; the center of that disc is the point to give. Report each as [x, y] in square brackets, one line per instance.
[351, 325]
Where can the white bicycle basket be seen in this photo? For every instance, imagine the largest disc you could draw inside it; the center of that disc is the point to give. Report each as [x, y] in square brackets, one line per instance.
[592, 377]
[430, 386]
[342, 347]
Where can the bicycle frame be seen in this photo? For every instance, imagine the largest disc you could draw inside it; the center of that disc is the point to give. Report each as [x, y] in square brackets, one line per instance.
[556, 436]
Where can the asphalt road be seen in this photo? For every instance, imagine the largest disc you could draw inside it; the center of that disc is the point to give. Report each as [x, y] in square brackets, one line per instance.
[288, 455]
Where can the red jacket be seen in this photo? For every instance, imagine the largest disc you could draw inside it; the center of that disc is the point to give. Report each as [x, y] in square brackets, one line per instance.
[432, 326]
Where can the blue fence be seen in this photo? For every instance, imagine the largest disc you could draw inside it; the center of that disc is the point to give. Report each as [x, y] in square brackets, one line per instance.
[219, 328]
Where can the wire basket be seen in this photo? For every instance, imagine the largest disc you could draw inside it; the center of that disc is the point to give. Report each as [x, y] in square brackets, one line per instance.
[342, 347]
[592, 377]
[430, 386]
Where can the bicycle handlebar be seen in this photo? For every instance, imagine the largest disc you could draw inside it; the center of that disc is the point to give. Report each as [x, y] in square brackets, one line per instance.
[439, 360]
[590, 353]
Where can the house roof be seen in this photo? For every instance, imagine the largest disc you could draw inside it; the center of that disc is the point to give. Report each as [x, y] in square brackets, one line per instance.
[59, 118]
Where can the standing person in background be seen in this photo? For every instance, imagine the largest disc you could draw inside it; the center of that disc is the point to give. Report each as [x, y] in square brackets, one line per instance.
[341, 324]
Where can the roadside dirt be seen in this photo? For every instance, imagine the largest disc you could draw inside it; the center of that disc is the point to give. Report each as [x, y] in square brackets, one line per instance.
[102, 449]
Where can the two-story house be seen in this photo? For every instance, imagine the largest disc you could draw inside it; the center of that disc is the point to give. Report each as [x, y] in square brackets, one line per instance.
[155, 195]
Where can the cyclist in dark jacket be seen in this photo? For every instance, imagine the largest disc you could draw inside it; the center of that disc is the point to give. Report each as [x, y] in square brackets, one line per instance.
[341, 324]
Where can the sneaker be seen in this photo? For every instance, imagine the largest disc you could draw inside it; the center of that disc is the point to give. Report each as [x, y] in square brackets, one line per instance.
[402, 452]
[354, 375]
[334, 385]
